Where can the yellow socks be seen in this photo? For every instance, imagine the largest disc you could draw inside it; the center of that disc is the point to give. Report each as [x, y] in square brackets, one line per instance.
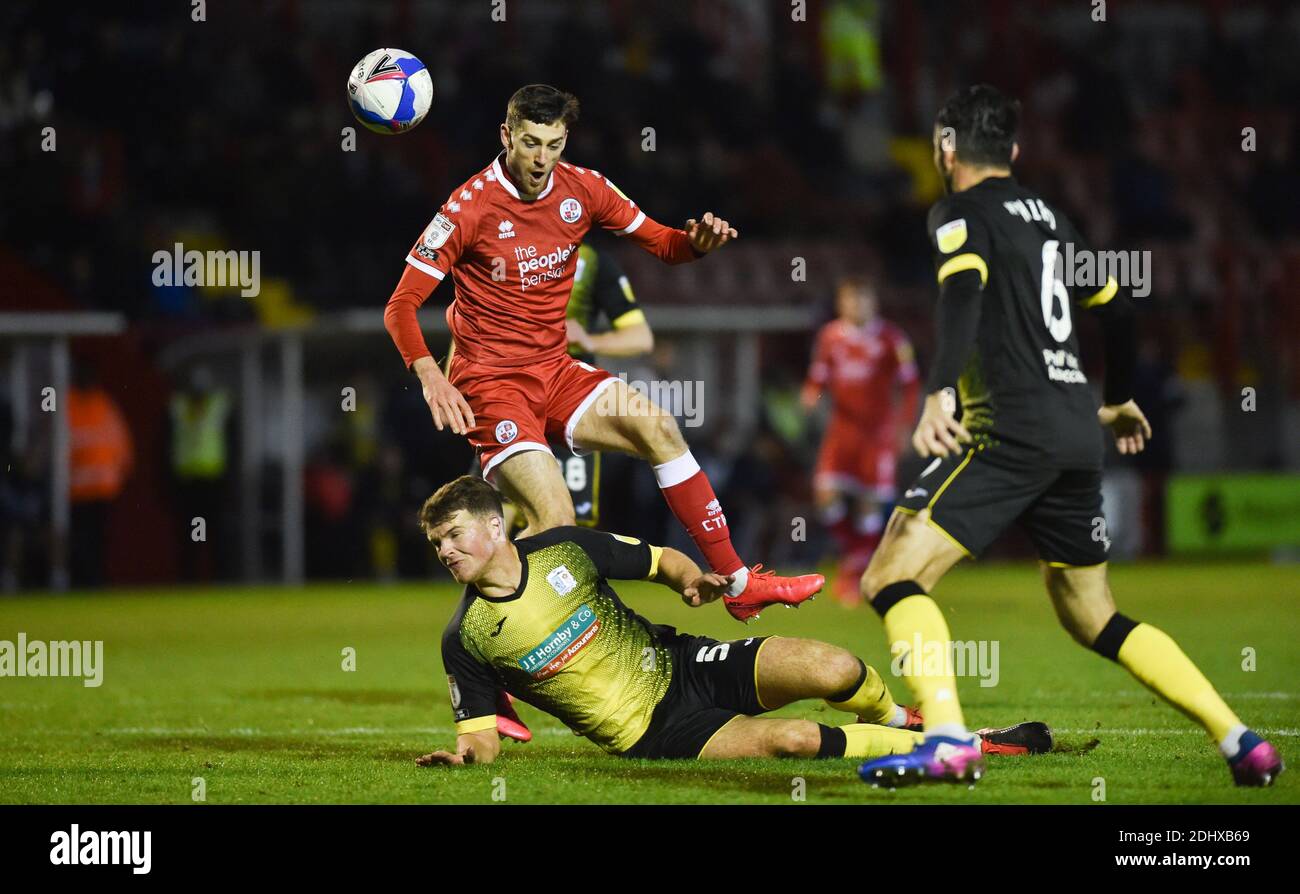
[866, 740]
[911, 616]
[1150, 655]
[870, 740]
[869, 699]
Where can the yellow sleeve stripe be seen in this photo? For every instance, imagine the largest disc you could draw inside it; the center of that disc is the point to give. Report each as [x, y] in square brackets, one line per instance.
[477, 724]
[968, 261]
[655, 553]
[633, 317]
[1107, 292]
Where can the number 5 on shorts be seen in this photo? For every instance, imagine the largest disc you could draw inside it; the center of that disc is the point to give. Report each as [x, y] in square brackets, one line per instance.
[708, 653]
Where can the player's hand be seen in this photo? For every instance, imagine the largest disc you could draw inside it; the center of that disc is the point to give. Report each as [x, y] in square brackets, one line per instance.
[939, 433]
[709, 232]
[447, 405]
[446, 758]
[1126, 420]
[579, 336]
[706, 588]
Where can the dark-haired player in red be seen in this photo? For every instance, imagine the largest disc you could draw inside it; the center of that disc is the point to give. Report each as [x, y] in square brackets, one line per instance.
[509, 238]
[861, 360]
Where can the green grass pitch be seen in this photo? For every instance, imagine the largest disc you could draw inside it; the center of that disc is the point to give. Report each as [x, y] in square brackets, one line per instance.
[245, 689]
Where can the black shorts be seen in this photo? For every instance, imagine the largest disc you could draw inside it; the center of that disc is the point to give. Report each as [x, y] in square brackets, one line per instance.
[712, 683]
[974, 496]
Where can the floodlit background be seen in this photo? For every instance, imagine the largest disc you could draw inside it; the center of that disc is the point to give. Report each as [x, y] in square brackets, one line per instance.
[1169, 127]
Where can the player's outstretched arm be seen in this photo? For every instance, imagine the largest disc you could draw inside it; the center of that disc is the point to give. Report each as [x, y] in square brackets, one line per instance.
[676, 570]
[613, 210]
[471, 748]
[674, 246]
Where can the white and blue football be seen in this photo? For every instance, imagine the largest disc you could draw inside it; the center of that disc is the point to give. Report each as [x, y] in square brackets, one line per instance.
[390, 91]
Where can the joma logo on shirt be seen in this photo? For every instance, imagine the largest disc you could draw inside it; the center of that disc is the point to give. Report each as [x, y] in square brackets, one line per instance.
[547, 657]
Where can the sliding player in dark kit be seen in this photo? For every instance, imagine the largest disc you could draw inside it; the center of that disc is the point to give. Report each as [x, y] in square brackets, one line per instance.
[540, 618]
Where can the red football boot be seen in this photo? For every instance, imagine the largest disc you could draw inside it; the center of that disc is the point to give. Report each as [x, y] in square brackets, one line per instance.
[766, 588]
[509, 726]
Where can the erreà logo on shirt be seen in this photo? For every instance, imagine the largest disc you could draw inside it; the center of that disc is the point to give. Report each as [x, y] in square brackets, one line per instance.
[506, 229]
[565, 642]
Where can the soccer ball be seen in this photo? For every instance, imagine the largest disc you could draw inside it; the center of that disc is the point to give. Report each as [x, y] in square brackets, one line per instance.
[390, 91]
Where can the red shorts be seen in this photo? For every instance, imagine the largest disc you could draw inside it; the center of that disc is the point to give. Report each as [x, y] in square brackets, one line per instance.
[852, 463]
[519, 408]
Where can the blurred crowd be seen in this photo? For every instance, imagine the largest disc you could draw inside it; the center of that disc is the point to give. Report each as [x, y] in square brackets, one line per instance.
[1169, 127]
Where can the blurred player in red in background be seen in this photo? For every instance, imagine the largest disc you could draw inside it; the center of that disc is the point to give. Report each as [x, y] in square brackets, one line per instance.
[509, 238]
[859, 358]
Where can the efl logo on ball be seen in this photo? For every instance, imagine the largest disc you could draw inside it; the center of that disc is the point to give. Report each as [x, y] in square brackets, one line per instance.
[507, 431]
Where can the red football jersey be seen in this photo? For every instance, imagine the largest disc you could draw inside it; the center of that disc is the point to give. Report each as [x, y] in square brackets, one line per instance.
[859, 366]
[513, 261]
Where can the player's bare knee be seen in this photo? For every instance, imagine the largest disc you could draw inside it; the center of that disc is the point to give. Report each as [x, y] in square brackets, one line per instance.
[1081, 599]
[840, 670]
[800, 738]
[661, 438]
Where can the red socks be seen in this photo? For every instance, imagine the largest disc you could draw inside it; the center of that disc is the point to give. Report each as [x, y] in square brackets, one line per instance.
[691, 498]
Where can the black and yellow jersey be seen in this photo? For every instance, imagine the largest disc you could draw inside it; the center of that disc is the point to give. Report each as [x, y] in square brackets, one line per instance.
[1023, 382]
[563, 642]
[600, 290]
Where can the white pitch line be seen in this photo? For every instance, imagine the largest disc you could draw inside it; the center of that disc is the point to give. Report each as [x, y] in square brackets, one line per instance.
[1120, 731]
[447, 730]
[1132, 693]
